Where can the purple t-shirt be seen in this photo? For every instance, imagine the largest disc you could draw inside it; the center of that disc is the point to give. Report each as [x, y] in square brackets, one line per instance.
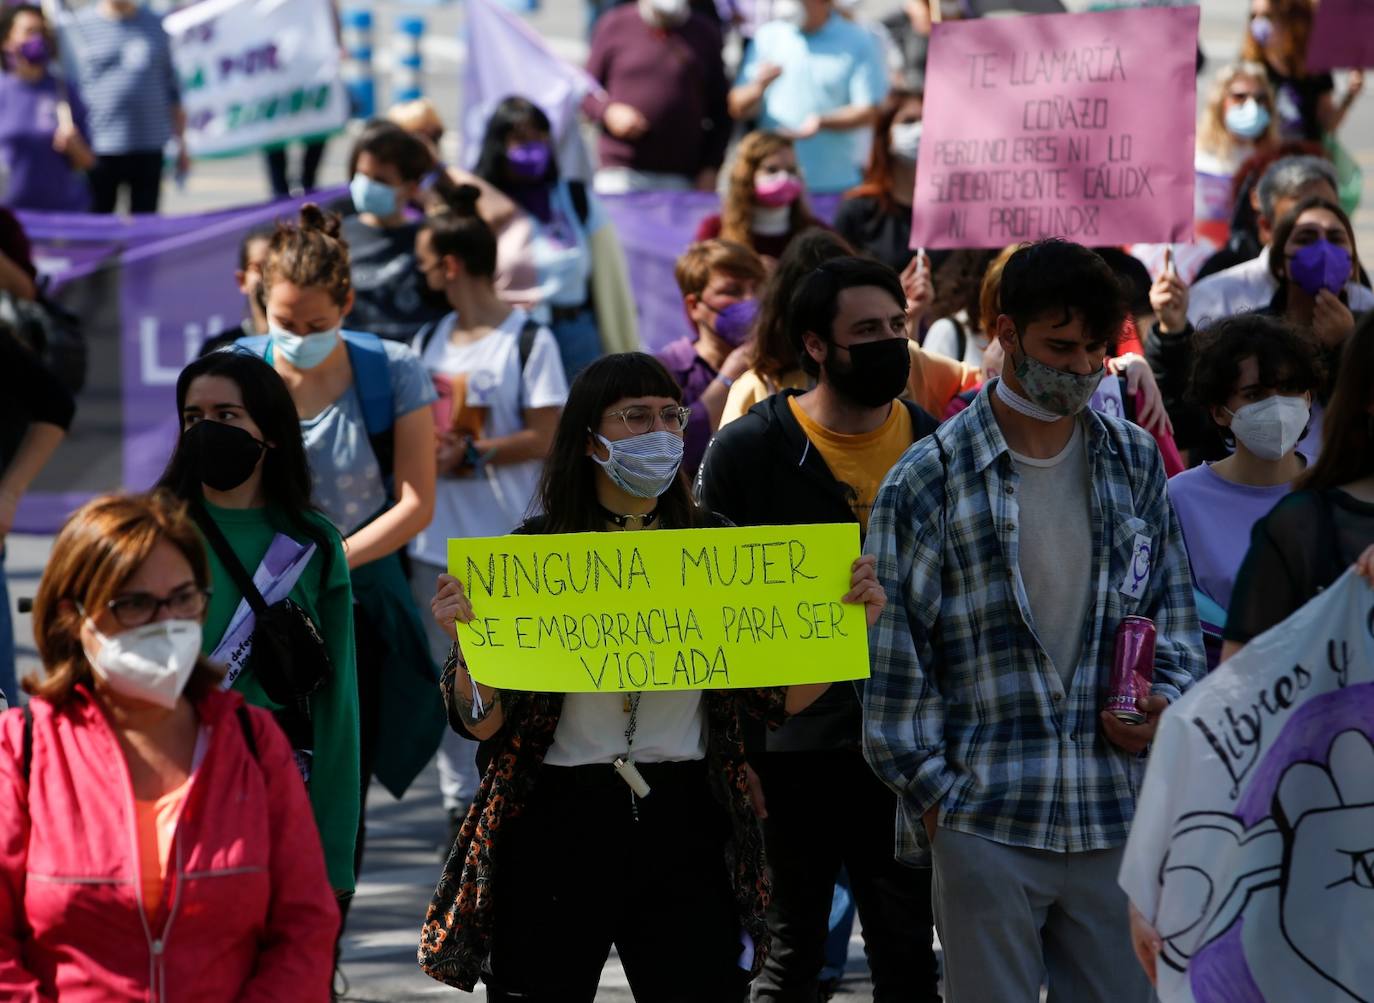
[693, 374]
[39, 177]
[1217, 516]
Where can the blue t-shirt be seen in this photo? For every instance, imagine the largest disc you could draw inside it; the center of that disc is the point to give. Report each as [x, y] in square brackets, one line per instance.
[837, 66]
[348, 482]
[125, 70]
[39, 177]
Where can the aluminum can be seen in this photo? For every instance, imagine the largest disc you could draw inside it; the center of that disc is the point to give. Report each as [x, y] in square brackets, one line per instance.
[1133, 668]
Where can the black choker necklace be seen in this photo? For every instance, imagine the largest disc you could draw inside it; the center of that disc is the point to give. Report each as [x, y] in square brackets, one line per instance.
[644, 521]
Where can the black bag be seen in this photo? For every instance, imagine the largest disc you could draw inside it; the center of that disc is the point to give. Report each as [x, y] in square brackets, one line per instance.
[288, 656]
[51, 332]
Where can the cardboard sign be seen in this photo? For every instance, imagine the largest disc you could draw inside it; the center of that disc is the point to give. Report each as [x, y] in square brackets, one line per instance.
[256, 73]
[662, 610]
[1252, 850]
[1063, 125]
[1342, 36]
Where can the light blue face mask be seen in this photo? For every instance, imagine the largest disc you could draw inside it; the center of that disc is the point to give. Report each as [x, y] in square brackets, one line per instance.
[304, 351]
[372, 196]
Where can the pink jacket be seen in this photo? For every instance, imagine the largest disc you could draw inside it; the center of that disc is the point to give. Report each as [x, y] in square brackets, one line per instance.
[247, 912]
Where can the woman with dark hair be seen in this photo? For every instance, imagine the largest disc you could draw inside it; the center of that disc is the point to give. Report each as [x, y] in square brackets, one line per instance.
[1313, 261]
[764, 206]
[1255, 377]
[42, 119]
[580, 863]
[388, 168]
[240, 465]
[154, 833]
[1319, 530]
[501, 386]
[569, 231]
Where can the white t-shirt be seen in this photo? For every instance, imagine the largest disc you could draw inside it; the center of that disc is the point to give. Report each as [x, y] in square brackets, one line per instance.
[496, 500]
[670, 728]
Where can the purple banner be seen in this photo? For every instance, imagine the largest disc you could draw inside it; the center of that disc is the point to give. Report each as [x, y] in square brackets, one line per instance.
[149, 291]
[654, 228]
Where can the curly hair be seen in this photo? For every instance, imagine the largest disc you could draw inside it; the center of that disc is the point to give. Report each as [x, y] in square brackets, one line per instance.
[737, 207]
[1289, 360]
[310, 252]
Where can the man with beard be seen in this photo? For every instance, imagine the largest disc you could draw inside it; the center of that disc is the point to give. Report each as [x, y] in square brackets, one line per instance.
[818, 456]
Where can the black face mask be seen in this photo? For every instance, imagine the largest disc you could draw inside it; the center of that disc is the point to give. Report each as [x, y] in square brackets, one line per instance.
[876, 374]
[224, 456]
[436, 300]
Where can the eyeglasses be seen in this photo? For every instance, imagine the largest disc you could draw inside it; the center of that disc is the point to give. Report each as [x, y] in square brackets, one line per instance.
[135, 609]
[640, 419]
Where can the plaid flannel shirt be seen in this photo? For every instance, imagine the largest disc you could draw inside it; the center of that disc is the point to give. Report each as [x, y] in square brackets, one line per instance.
[965, 709]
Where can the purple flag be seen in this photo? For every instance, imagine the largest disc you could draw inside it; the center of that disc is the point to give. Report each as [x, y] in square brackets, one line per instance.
[507, 58]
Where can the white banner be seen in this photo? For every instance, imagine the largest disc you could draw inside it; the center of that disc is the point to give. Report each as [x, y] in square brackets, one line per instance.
[1252, 851]
[255, 73]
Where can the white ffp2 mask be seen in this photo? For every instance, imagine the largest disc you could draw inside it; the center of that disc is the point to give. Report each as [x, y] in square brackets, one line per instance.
[150, 663]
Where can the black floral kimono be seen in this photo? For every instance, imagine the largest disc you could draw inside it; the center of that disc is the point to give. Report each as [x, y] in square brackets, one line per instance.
[456, 938]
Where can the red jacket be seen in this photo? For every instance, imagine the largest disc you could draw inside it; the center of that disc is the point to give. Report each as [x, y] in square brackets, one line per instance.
[247, 912]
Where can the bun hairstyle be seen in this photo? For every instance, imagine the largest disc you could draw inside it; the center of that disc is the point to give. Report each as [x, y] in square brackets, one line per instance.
[310, 252]
[458, 231]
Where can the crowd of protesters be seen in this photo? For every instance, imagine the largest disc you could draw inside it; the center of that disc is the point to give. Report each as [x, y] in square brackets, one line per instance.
[229, 660]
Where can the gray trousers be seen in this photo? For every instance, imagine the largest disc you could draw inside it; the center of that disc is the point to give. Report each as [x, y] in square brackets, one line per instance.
[1007, 916]
[457, 758]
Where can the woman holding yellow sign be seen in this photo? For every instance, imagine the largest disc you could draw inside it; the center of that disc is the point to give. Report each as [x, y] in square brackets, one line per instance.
[607, 819]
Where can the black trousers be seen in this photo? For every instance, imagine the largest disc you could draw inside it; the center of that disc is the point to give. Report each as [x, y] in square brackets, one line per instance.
[140, 172]
[311, 156]
[825, 809]
[580, 873]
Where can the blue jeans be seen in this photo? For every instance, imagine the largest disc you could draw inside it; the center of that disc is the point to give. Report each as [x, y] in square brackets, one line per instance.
[842, 911]
[8, 684]
[579, 341]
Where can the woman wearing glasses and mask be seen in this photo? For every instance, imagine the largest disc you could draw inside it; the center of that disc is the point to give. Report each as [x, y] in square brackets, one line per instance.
[557, 861]
[154, 833]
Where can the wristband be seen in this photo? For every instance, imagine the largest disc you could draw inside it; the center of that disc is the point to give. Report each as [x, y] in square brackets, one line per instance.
[725, 380]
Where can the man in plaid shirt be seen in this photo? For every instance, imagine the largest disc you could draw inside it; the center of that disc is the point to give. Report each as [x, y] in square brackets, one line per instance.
[1012, 543]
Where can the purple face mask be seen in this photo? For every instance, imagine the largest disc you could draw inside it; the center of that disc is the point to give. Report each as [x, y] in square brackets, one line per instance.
[1319, 266]
[35, 50]
[735, 322]
[529, 161]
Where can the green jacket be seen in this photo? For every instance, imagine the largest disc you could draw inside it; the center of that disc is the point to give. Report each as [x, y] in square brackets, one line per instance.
[326, 595]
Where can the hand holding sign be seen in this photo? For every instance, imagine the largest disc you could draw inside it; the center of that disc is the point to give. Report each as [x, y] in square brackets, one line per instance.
[1169, 299]
[919, 289]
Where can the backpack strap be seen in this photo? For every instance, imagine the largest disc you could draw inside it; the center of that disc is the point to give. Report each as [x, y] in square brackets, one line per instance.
[246, 723]
[425, 335]
[215, 537]
[528, 332]
[577, 191]
[372, 380]
[26, 748]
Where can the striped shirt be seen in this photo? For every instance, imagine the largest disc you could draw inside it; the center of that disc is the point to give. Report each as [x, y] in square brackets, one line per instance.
[964, 708]
[126, 74]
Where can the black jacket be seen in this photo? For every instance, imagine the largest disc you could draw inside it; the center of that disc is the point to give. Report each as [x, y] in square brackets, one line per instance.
[762, 470]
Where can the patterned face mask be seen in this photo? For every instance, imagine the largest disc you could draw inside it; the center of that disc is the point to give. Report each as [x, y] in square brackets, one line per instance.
[1060, 392]
[642, 465]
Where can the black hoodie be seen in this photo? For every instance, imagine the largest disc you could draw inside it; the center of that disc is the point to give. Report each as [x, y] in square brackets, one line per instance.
[762, 470]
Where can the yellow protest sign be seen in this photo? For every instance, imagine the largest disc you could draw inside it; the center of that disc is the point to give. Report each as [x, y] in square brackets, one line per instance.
[663, 609]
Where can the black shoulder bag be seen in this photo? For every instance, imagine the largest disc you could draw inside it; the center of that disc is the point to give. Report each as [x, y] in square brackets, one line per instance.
[288, 657]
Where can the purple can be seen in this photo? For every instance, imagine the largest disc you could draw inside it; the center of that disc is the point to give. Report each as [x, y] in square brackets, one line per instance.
[1133, 668]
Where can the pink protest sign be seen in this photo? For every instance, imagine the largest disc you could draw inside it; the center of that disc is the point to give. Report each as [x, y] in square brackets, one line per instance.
[1342, 36]
[1061, 125]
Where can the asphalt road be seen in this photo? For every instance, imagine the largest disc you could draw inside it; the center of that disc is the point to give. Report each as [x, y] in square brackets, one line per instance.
[403, 856]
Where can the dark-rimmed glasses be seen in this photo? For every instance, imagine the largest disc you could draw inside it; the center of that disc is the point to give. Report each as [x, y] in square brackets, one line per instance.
[137, 609]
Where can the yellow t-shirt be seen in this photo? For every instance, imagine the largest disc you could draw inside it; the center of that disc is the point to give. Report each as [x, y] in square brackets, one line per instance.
[861, 461]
